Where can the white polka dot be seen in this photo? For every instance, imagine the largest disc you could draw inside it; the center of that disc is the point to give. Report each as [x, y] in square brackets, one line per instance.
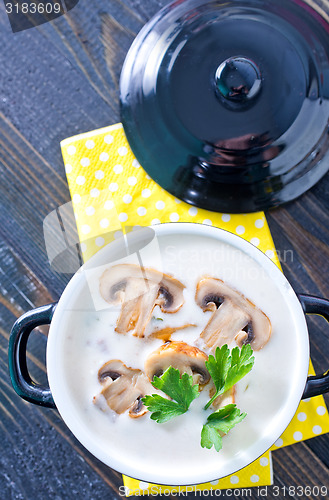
[118, 234]
[160, 205]
[307, 400]
[117, 169]
[85, 162]
[207, 222]
[317, 429]
[263, 461]
[240, 229]
[146, 193]
[302, 416]
[108, 139]
[104, 223]
[123, 217]
[259, 223]
[85, 229]
[298, 436]
[99, 174]
[135, 164]
[122, 151]
[127, 198]
[143, 486]
[113, 187]
[68, 168]
[255, 241]
[80, 180]
[321, 410]
[141, 211]
[214, 483]
[94, 193]
[254, 478]
[132, 180]
[234, 479]
[174, 217]
[226, 217]
[193, 211]
[90, 144]
[177, 200]
[90, 210]
[269, 253]
[71, 150]
[156, 221]
[83, 247]
[108, 205]
[148, 177]
[103, 156]
[76, 198]
[279, 442]
[99, 241]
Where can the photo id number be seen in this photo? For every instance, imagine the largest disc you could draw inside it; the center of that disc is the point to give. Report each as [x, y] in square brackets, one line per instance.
[299, 491]
[33, 8]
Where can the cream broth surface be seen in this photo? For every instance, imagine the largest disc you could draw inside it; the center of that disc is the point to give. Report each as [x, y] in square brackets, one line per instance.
[90, 341]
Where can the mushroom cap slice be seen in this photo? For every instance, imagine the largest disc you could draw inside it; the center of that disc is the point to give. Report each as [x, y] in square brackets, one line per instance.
[179, 355]
[234, 316]
[123, 388]
[224, 325]
[139, 290]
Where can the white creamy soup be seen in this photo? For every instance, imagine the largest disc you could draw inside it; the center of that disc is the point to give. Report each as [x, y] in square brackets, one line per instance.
[90, 340]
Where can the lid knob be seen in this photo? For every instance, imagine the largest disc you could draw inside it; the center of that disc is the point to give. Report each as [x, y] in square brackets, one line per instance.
[238, 79]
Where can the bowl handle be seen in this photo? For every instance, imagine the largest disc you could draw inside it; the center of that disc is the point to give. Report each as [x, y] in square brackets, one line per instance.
[318, 384]
[25, 387]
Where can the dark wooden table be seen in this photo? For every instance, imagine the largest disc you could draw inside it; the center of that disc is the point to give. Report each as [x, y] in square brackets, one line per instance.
[57, 80]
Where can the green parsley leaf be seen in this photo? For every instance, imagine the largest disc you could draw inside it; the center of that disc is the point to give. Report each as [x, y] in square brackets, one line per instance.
[162, 409]
[179, 388]
[227, 368]
[218, 424]
[211, 437]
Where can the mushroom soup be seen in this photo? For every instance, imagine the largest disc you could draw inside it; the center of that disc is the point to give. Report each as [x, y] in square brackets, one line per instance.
[131, 323]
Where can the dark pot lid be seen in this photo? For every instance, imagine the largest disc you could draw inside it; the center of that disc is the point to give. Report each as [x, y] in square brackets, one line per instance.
[226, 104]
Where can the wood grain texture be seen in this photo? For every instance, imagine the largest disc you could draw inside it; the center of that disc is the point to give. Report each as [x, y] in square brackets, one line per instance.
[58, 80]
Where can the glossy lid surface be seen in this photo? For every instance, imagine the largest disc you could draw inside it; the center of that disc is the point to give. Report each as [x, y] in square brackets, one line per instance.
[226, 104]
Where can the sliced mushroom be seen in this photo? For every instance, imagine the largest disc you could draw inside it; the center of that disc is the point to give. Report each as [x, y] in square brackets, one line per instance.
[234, 316]
[139, 290]
[179, 355]
[123, 388]
[144, 387]
[166, 332]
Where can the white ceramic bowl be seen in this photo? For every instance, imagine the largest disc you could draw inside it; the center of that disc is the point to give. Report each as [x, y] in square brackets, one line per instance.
[290, 360]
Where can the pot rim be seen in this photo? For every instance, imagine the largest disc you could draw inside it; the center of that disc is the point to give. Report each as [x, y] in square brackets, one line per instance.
[76, 425]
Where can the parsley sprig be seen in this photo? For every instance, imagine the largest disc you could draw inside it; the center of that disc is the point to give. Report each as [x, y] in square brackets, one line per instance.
[179, 388]
[228, 367]
[220, 423]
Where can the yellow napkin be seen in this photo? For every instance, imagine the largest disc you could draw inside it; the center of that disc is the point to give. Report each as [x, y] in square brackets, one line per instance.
[111, 193]
[259, 473]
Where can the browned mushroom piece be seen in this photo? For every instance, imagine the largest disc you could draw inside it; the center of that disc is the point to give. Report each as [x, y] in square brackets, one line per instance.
[139, 290]
[234, 316]
[179, 355]
[123, 388]
[166, 332]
